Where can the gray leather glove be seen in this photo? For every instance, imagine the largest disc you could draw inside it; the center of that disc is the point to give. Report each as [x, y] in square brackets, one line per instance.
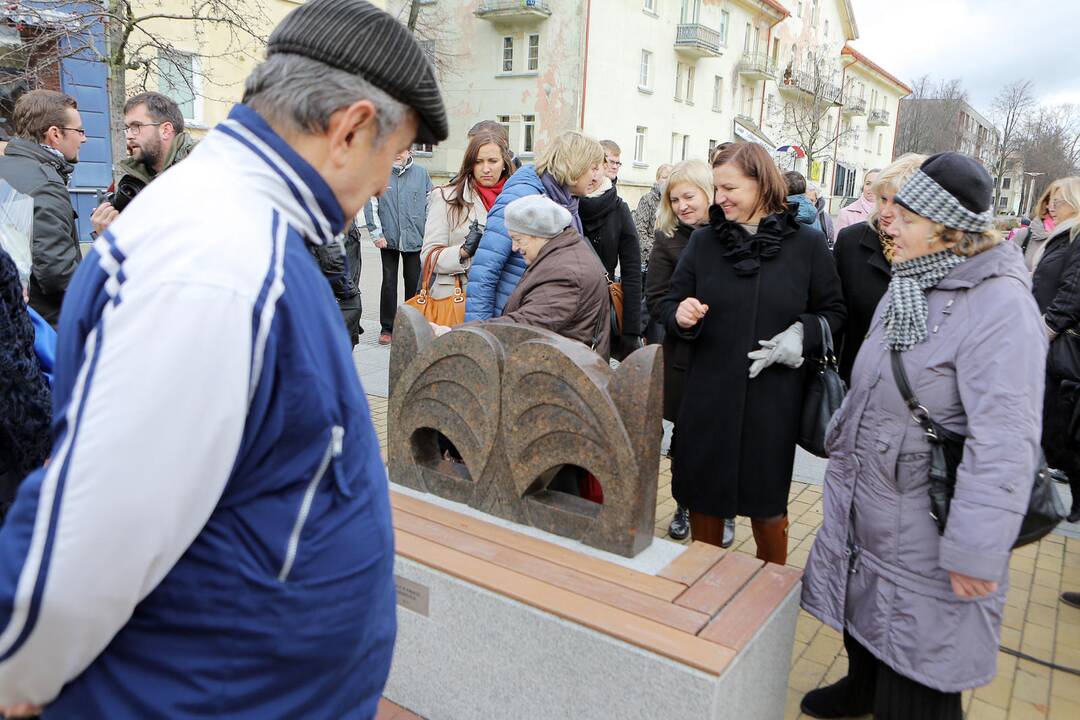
[785, 348]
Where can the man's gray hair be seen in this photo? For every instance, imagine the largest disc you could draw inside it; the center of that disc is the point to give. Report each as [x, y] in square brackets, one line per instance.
[301, 94]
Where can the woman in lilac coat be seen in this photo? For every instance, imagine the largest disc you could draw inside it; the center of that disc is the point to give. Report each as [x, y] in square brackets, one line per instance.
[921, 612]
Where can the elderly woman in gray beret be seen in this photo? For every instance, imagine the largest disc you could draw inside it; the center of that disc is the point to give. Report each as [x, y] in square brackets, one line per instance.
[564, 288]
[921, 609]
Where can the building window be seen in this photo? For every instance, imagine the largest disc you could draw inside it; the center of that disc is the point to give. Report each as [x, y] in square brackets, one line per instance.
[746, 48]
[748, 101]
[725, 20]
[685, 147]
[814, 12]
[423, 149]
[880, 142]
[798, 9]
[1006, 183]
[504, 120]
[1003, 202]
[528, 136]
[644, 79]
[639, 144]
[650, 5]
[679, 81]
[825, 31]
[534, 52]
[680, 147]
[689, 97]
[508, 54]
[691, 11]
[177, 80]
[717, 92]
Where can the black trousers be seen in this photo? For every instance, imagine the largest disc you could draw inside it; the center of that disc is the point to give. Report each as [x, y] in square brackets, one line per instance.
[388, 298]
[877, 688]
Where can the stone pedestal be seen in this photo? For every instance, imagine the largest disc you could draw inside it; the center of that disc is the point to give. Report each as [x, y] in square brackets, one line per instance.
[495, 623]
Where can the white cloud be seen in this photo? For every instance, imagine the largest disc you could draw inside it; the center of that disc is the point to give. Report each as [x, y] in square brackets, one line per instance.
[987, 43]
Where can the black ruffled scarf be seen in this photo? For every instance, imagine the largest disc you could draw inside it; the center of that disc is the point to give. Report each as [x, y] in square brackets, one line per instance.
[745, 251]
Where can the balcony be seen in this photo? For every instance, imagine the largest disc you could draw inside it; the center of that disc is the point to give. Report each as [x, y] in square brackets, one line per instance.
[756, 66]
[854, 107]
[515, 12]
[697, 41]
[878, 118]
[804, 85]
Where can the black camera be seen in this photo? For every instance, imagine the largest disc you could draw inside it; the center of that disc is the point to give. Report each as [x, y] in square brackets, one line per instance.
[126, 190]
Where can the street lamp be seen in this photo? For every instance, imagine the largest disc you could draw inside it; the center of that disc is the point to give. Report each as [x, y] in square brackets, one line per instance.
[1031, 190]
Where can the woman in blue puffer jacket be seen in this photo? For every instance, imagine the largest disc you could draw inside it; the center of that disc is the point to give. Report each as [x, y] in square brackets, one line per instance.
[569, 168]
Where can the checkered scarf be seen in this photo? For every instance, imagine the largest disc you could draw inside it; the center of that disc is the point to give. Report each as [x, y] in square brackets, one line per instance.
[905, 315]
[924, 196]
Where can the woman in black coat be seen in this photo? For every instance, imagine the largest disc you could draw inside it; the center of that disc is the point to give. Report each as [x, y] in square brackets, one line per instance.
[684, 207]
[863, 256]
[609, 227]
[25, 397]
[754, 277]
[1056, 284]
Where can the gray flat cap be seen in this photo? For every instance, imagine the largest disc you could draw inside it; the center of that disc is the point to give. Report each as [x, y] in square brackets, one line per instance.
[537, 216]
[357, 37]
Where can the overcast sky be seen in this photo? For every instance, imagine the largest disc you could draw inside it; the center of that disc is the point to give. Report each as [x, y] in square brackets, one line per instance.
[985, 43]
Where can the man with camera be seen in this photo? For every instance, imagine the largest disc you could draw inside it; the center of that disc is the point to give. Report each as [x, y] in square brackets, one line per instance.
[38, 162]
[154, 131]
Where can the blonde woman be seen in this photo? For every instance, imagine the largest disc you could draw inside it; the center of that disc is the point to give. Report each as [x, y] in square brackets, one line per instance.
[1038, 232]
[683, 208]
[569, 168]
[1057, 293]
[863, 255]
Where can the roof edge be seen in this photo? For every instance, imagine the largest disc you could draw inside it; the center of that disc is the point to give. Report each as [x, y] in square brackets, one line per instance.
[875, 68]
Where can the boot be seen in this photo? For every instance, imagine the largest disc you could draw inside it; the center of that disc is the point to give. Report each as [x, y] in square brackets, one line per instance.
[771, 538]
[729, 533]
[680, 524]
[832, 701]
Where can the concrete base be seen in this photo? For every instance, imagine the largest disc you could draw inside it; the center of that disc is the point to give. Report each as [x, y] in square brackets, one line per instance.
[479, 654]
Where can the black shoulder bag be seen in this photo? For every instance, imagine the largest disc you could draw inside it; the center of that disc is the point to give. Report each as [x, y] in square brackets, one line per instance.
[823, 394]
[1044, 511]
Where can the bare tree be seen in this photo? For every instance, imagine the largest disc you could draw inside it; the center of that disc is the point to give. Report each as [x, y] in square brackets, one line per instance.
[1011, 108]
[1051, 145]
[433, 28]
[134, 37]
[927, 118]
[813, 93]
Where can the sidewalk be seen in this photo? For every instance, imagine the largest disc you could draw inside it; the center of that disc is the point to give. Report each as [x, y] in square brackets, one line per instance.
[1035, 622]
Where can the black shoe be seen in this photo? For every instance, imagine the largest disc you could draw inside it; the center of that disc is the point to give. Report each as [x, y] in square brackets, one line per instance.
[1071, 598]
[831, 701]
[1059, 476]
[1074, 517]
[680, 524]
[729, 533]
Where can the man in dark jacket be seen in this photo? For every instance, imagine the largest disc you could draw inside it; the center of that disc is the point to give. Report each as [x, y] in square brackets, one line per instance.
[154, 131]
[38, 162]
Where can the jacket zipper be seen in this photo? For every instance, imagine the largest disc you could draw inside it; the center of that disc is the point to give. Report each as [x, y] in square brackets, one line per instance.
[333, 450]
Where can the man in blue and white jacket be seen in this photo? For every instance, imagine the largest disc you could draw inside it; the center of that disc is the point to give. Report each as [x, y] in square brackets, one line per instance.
[212, 535]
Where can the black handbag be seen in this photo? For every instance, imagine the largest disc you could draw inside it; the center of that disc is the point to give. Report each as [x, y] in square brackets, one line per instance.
[1063, 361]
[822, 396]
[1045, 509]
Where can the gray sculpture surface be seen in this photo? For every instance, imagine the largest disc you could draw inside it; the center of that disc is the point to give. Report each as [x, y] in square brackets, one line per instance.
[518, 404]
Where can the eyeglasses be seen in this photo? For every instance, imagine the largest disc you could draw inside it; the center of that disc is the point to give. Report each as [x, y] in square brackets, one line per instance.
[81, 131]
[613, 163]
[134, 128]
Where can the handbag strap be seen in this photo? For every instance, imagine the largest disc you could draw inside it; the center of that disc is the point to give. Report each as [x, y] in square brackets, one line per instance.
[827, 347]
[919, 413]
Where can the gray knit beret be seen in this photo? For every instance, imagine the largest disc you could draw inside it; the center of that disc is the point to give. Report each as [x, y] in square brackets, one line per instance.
[537, 216]
[357, 37]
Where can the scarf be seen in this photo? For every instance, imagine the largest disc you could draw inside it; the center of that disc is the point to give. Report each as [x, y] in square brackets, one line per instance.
[888, 245]
[905, 316]
[562, 196]
[489, 194]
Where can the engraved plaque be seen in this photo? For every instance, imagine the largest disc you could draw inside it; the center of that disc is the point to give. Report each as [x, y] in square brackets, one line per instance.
[412, 596]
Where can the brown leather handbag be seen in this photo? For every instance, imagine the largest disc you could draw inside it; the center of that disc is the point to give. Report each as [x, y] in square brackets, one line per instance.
[448, 311]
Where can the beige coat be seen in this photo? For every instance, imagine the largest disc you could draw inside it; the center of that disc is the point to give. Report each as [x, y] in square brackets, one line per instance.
[438, 232]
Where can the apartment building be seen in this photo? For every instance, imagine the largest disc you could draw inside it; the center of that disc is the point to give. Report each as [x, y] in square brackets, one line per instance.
[666, 79]
[933, 125]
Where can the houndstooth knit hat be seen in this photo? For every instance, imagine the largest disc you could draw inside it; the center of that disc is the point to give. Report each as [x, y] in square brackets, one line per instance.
[952, 189]
[357, 37]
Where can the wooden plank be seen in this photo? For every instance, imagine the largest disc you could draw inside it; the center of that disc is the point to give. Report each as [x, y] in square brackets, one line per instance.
[659, 587]
[722, 581]
[749, 610]
[693, 563]
[681, 618]
[644, 633]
